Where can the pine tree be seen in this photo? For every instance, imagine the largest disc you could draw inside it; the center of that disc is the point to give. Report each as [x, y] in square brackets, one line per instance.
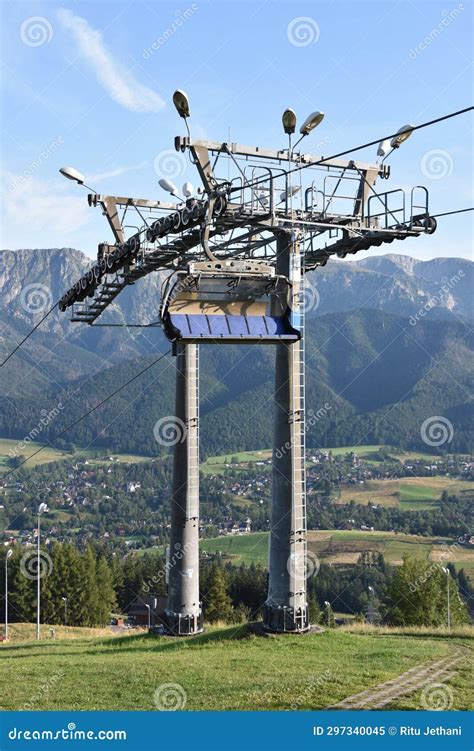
[219, 606]
[105, 591]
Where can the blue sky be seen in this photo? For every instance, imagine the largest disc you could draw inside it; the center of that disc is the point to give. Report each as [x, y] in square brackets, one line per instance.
[90, 84]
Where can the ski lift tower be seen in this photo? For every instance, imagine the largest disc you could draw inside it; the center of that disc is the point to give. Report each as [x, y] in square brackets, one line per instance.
[233, 256]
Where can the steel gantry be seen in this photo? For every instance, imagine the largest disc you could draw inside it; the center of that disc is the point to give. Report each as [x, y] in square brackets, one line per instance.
[233, 256]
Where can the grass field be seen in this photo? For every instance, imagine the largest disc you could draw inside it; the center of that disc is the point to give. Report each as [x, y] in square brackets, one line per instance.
[417, 493]
[343, 547]
[223, 669]
[49, 455]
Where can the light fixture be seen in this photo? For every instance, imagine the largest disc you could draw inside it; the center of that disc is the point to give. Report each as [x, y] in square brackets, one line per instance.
[188, 190]
[311, 122]
[402, 135]
[288, 120]
[73, 174]
[168, 186]
[383, 148]
[289, 192]
[43, 508]
[181, 102]
[9, 553]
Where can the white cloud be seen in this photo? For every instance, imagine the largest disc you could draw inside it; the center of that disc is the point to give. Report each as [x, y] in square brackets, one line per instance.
[32, 205]
[115, 172]
[121, 84]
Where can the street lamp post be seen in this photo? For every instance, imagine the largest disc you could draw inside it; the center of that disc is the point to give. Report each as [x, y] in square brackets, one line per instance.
[64, 599]
[328, 605]
[41, 510]
[149, 616]
[446, 571]
[8, 555]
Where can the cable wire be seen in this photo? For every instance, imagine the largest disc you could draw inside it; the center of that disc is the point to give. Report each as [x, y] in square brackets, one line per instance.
[29, 334]
[79, 419]
[365, 145]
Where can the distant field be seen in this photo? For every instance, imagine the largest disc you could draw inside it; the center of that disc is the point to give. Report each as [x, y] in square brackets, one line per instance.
[417, 493]
[225, 668]
[49, 454]
[344, 547]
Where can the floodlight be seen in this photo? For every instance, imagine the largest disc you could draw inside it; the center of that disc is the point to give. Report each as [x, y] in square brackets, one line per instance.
[383, 148]
[289, 121]
[188, 190]
[311, 122]
[402, 135]
[72, 174]
[289, 192]
[168, 186]
[181, 102]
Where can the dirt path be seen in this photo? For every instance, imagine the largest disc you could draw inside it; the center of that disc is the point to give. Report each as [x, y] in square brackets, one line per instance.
[413, 680]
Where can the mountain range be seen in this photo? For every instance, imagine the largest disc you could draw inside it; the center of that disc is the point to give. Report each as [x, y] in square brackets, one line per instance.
[388, 345]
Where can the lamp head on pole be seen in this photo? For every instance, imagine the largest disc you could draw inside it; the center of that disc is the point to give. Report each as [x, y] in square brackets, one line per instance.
[181, 102]
[401, 136]
[43, 508]
[311, 122]
[9, 553]
[288, 120]
[72, 174]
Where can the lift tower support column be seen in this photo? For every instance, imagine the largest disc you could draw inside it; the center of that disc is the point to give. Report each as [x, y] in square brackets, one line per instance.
[184, 613]
[286, 609]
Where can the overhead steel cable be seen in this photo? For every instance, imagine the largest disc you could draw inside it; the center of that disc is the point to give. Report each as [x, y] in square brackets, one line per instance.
[362, 146]
[29, 334]
[89, 412]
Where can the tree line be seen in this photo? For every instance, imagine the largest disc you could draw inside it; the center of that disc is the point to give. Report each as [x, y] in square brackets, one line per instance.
[83, 588]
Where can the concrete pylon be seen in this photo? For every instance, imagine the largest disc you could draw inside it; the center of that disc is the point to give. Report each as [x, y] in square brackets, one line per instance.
[184, 613]
[286, 609]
